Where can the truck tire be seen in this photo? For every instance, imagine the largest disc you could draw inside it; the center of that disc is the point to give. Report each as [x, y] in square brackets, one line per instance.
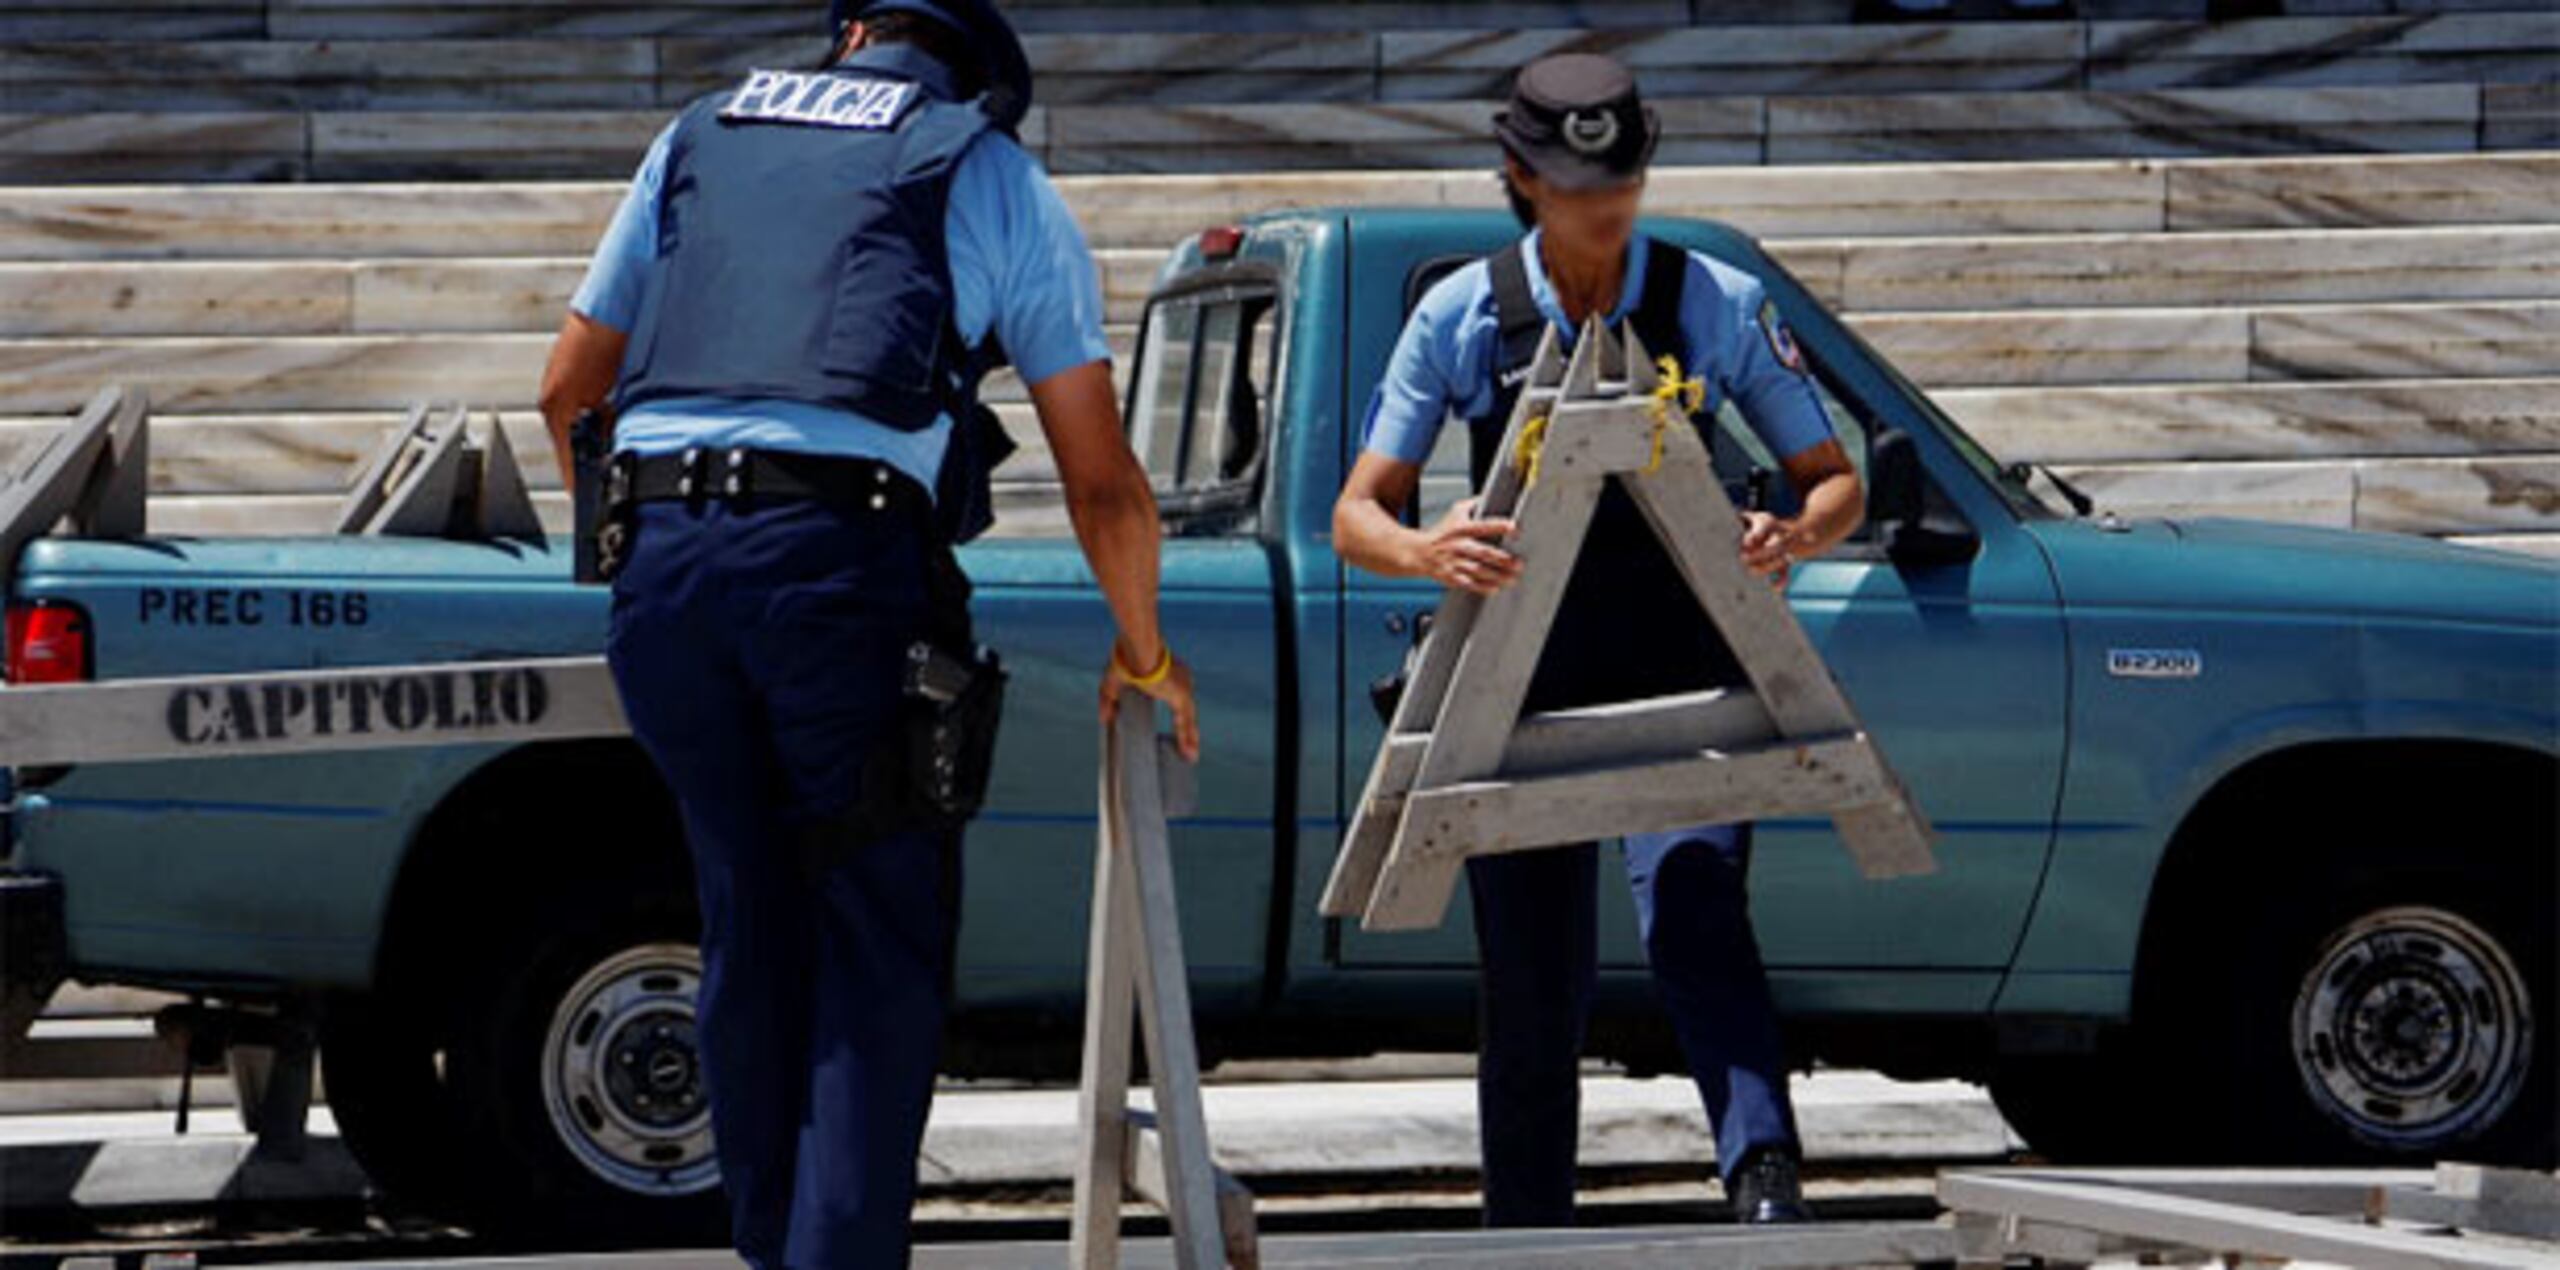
[380, 1070]
[2400, 1018]
[578, 1080]
[2082, 1108]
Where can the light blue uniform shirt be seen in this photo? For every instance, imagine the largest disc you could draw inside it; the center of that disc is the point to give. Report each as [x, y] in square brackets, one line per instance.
[1019, 266]
[1444, 360]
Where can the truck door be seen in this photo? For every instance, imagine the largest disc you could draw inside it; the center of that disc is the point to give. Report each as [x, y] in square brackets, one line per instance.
[1199, 391]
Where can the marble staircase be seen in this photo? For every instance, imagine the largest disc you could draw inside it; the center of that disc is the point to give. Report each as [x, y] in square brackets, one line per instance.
[2354, 340]
[361, 90]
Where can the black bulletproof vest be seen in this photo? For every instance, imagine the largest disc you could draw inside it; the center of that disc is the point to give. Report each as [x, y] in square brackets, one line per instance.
[801, 256]
[1628, 626]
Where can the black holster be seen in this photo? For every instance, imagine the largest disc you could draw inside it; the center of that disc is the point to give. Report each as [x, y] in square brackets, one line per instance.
[929, 771]
[601, 513]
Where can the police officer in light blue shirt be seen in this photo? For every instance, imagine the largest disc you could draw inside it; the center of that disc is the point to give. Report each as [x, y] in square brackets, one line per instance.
[788, 318]
[1576, 140]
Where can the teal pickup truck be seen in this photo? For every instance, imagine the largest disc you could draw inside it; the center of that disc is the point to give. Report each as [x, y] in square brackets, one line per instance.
[2246, 831]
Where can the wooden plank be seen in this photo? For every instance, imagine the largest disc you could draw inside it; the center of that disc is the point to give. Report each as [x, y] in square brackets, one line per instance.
[309, 711]
[1471, 728]
[1789, 777]
[1138, 941]
[1102, 1082]
[1688, 512]
[1621, 732]
[2056, 1197]
[1375, 819]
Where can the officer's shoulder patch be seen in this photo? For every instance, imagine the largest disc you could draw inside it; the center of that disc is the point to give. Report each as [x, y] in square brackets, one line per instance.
[819, 99]
[1782, 341]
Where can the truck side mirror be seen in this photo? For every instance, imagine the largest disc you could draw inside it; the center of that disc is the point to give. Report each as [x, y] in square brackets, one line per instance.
[1898, 502]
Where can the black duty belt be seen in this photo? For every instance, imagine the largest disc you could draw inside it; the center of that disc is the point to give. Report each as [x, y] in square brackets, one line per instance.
[702, 472]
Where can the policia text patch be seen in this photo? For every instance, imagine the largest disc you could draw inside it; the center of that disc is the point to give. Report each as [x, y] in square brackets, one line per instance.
[819, 98]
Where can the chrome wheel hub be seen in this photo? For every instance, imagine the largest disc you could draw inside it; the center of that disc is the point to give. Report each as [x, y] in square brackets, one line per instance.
[622, 1076]
[2412, 1028]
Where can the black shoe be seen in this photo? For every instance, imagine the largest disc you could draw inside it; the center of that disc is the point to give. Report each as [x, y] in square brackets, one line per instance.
[1765, 1190]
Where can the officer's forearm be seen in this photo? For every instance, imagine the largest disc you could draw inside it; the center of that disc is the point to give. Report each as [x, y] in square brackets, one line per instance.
[1370, 537]
[1833, 510]
[585, 359]
[1115, 523]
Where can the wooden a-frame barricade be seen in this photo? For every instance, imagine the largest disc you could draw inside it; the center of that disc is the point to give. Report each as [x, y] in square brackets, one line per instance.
[1135, 947]
[1461, 772]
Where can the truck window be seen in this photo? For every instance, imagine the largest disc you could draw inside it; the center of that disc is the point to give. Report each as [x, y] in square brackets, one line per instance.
[1201, 399]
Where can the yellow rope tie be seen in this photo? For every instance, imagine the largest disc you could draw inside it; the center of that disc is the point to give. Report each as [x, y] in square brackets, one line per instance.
[1669, 390]
[1532, 445]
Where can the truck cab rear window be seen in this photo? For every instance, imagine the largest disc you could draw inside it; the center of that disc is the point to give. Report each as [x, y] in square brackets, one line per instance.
[1201, 399]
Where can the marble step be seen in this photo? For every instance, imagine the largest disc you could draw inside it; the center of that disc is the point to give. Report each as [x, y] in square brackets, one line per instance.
[2505, 497]
[2024, 345]
[584, 19]
[2186, 348]
[305, 373]
[2237, 267]
[2203, 423]
[1229, 138]
[1023, 511]
[2004, 126]
[2184, 426]
[1982, 57]
[2543, 546]
[2237, 273]
[1215, 63]
[564, 219]
[2215, 345]
[323, 452]
[2507, 494]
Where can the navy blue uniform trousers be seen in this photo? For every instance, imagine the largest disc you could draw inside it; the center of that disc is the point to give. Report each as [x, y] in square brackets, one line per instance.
[758, 650]
[1537, 938]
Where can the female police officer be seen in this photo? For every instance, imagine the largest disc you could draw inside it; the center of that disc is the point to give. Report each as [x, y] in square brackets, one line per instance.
[779, 312]
[1576, 140]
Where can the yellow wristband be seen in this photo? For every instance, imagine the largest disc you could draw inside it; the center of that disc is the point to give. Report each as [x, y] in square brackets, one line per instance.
[1164, 667]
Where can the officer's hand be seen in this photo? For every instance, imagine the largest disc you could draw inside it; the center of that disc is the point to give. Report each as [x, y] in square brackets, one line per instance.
[1766, 540]
[1174, 690]
[1463, 551]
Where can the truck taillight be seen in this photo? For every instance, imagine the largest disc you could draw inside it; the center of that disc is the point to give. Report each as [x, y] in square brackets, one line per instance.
[48, 642]
[1221, 242]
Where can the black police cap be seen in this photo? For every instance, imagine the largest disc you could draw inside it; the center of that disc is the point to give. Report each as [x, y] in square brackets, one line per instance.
[1576, 120]
[1007, 67]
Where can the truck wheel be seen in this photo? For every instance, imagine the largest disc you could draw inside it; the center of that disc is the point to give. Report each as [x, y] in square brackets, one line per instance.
[381, 1071]
[583, 1085]
[2081, 1108]
[2409, 1024]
